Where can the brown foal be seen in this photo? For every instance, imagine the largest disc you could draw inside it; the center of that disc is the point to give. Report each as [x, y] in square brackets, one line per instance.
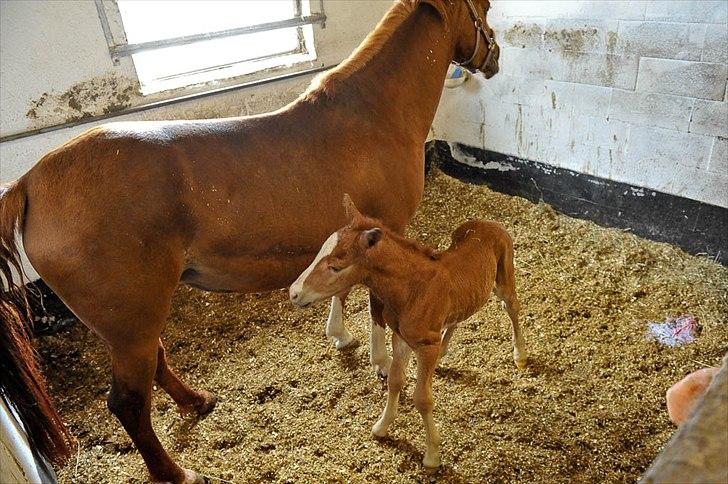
[425, 294]
[117, 217]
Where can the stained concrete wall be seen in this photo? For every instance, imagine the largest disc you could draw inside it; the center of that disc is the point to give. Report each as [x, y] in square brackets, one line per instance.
[633, 91]
[55, 67]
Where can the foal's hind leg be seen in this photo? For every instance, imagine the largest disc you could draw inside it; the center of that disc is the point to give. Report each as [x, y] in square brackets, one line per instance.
[188, 400]
[335, 329]
[505, 289]
[427, 356]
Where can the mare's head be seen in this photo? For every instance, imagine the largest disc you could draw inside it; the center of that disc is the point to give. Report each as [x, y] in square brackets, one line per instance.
[475, 45]
[338, 265]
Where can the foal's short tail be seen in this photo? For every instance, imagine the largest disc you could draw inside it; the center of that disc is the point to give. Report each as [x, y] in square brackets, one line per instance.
[21, 382]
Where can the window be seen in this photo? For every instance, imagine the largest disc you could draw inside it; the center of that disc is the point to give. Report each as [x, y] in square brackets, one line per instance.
[180, 43]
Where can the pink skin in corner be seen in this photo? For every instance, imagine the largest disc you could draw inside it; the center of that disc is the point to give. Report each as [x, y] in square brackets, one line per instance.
[684, 396]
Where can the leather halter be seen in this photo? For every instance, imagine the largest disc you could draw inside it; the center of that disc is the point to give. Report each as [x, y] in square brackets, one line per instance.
[479, 31]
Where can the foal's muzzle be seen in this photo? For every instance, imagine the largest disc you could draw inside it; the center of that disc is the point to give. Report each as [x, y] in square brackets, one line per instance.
[297, 299]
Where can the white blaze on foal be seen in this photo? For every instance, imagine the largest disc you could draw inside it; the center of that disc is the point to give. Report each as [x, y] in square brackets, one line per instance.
[326, 249]
[335, 329]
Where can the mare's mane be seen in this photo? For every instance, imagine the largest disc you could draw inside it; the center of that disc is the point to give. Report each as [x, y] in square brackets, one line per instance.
[325, 83]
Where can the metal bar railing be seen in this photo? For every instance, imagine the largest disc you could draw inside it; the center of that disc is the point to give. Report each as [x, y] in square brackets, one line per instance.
[128, 49]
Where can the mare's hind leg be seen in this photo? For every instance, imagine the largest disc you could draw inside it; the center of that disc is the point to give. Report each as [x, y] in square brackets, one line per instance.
[378, 356]
[505, 289]
[335, 329]
[125, 300]
[188, 400]
[133, 367]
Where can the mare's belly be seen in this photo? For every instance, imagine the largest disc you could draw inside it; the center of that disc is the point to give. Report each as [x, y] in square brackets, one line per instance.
[246, 274]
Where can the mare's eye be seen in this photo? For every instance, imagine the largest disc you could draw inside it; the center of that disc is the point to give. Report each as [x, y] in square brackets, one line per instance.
[334, 269]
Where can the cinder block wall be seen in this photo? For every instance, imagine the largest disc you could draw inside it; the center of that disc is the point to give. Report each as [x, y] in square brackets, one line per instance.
[633, 91]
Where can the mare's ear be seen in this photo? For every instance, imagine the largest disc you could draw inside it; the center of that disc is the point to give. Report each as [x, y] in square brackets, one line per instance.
[368, 238]
[351, 211]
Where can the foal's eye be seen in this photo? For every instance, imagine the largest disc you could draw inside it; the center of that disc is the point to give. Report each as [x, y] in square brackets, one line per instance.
[334, 269]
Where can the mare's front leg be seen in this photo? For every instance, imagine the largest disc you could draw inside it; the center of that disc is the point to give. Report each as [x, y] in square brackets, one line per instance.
[378, 356]
[395, 382]
[188, 400]
[335, 329]
[427, 356]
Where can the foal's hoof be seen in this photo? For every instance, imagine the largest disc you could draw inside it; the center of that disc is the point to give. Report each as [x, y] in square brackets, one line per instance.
[188, 477]
[201, 409]
[522, 363]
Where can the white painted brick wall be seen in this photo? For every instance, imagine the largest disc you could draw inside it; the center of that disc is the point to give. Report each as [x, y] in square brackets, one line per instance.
[633, 91]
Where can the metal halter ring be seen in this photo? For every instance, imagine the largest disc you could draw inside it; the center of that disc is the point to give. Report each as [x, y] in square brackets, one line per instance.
[479, 31]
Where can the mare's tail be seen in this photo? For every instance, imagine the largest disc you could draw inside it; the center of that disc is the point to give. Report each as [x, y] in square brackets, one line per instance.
[21, 382]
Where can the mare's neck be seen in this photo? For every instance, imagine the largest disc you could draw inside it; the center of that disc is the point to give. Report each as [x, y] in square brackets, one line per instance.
[403, 82]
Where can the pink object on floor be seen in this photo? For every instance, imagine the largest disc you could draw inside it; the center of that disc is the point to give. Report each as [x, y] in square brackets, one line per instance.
[674, 331]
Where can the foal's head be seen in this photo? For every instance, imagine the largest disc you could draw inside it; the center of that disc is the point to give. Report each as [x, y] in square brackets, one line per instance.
[475, 45]
[338, 265]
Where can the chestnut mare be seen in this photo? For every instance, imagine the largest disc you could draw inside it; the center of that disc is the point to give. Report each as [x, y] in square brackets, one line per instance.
[425, 294]
[115, 218]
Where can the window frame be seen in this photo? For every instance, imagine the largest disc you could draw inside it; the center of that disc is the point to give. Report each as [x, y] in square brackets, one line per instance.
[119, 47]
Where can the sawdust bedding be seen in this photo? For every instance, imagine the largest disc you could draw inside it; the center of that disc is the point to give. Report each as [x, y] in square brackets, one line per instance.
[589, 408]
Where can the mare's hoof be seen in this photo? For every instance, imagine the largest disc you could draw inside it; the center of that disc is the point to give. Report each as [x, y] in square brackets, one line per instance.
[189, 477]
[341, 343]
[208, 405]
[382, 368]
[431, 462]
[192, 477]
[379, 430]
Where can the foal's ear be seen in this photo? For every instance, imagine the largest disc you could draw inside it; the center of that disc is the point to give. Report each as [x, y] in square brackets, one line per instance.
[351, 211]
[367, 238]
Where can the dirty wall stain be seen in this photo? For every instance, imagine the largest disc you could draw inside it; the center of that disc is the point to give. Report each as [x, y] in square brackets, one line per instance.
[85, 99]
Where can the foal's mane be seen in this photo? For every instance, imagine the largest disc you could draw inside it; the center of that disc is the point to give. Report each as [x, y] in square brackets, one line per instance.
[324, 84]
[410, 245]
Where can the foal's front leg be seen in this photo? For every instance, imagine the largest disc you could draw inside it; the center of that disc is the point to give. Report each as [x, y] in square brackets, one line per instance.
[378, 356]
[335, 329]
[395, 382]
[427, 357]
[445, 344]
